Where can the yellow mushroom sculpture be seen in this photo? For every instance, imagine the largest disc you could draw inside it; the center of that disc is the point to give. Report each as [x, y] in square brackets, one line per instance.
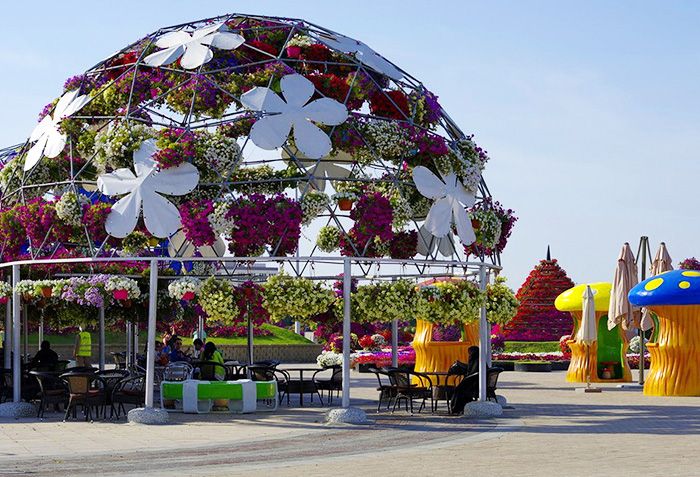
[675, 357]
[608, 354]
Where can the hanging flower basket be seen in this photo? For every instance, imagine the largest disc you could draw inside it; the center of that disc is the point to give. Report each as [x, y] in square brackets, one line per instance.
[120, 294]
[293, 51]
[188, 295]
[46, 291]
[345, 204]
[4, 300]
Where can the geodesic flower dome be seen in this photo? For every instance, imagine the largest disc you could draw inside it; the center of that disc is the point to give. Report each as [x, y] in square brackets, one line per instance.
[247, 136]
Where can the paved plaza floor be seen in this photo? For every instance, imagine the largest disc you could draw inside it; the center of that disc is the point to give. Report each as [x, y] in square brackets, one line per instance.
[550, 430]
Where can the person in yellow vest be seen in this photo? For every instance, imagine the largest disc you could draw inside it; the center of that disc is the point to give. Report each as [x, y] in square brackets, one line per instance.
[83, 348]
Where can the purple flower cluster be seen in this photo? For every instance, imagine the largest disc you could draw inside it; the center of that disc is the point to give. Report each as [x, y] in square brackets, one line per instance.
[195, 219]
[259, 221]
[373, 217]
[40, 222]
[85, 291]
[176, 147]
[404, 244]
[689, 264]
[94, 218]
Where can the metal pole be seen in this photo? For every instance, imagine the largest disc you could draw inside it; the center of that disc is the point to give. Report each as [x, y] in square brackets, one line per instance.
[297, 327]
[129, 342]
[347, 281]
[151, 342]
[250, 339]
[200, 329]
[16, 363]
[483, 342]
[7, 346]
[394, 343]
[644, 244]
[26, 333]
[101, 314]
[41, 329]
[135, 346]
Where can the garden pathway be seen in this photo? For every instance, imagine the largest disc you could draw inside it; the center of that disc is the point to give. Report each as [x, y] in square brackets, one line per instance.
[551, 429]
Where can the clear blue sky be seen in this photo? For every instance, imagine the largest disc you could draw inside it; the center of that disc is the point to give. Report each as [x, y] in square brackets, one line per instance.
[589, 110]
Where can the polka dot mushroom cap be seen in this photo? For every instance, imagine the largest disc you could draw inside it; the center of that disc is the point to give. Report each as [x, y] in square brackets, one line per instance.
[675, 287]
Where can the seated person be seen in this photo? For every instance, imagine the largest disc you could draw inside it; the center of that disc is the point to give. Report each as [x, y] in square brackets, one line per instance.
[161, 358]
[176, 353]
[468, 389]
[198, 345]
[211, 354]
[45, 356]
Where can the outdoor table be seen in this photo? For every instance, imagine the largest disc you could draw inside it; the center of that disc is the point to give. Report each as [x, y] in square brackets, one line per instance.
[301, 386]
[110, 381]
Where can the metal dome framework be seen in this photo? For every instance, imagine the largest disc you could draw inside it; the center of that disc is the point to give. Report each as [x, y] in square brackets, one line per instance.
[394, 124]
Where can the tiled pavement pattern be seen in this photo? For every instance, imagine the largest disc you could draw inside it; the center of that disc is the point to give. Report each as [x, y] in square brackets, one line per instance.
[552, 430]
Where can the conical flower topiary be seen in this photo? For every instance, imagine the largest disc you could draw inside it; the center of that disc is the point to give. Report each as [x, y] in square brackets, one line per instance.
[537, 318]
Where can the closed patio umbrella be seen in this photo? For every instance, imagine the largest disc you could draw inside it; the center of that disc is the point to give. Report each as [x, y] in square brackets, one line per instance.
[620, 309]
[662, 263]
[588, 331]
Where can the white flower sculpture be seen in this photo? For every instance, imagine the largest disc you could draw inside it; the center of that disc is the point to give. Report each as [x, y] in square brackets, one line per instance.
[271, 131]
[50, 141]
[449, 208]
[194, 49]
[363, 53]
[161, 217]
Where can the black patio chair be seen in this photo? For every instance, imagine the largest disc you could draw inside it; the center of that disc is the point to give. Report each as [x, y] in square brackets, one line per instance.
[128, 391]
[261, 372]
[282, 378]
[87, 390]
[119, 359]
[386, 389]
[333, 384]
[53, 390]
[208, 371]
[407, 391]
[235, 371]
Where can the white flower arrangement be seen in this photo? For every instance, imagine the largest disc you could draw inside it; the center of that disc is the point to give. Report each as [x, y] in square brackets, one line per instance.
[387, 139]
[5, 290]
[179, 287]
[114, 146]
[69, 208]
[313, 204]
[39, 286]
[346, 195]
[328, 358]
[401, 210]
[217, 301]
[501, 304]
[300, 40]
[222, 152]
[328, 239]
[378, 340]
[26, 288]
[465, 161]
[489, 232]
[299, 298]
[385, 301]
[122, 283]
[218, 221]
[459, 302]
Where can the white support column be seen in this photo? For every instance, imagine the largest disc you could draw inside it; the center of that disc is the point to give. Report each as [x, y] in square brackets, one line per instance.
[150, 346]
[129, 343]
[101, 314]
[41, 330]
[16, 362]
[484, 342]
[297, 327]
[347, 282]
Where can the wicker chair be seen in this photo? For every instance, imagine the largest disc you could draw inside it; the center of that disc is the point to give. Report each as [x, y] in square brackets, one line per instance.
[87, 390]
[332, 384]
[128, 391]
[53, 390]
[386, 391]
[208, 371]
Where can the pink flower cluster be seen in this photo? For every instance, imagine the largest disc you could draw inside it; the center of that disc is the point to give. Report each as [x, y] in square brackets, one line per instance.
[41, 224]
[259, 221]
[373, 216]
[195, 219]
[176, 147]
